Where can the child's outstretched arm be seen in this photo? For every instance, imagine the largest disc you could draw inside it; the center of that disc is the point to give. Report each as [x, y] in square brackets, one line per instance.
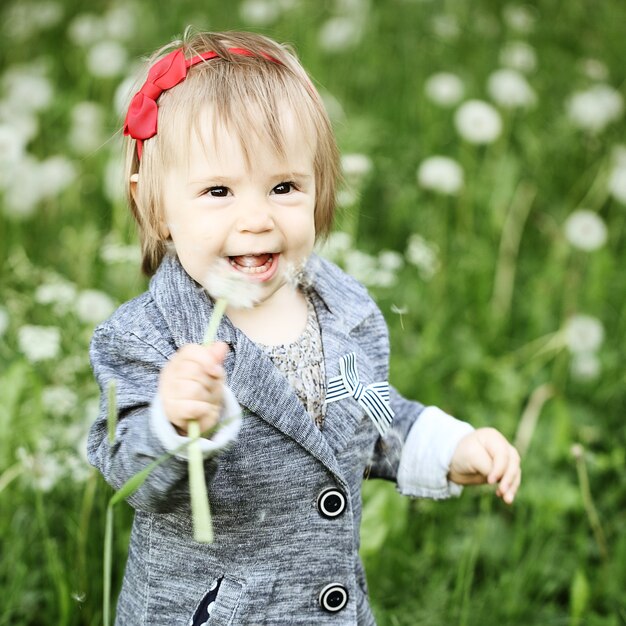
[485, 456]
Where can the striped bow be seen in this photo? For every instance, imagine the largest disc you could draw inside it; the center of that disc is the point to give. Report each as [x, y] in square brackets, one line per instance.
[374, 398]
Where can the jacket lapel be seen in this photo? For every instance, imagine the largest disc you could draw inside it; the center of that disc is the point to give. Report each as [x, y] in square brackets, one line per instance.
[253, 378]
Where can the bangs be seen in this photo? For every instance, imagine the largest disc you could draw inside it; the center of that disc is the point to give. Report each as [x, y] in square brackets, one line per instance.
[260, 104]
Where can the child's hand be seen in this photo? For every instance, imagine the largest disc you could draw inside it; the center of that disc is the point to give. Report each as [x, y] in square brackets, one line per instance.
[486, 456]
[191, 386]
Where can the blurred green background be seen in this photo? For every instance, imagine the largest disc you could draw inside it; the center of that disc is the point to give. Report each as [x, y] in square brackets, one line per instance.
[485, 207]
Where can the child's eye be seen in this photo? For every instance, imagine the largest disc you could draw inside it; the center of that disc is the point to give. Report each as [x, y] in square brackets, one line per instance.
[284, 188]
[217, 192]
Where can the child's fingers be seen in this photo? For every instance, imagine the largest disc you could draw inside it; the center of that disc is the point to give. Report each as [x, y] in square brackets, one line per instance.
[508, 494]
[511, 479]
[209, 358]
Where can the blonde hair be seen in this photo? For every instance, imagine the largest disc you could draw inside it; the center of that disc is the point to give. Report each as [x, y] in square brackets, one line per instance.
[246, 94]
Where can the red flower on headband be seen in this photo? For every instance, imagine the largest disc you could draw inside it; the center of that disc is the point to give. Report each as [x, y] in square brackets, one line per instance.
[142, 115]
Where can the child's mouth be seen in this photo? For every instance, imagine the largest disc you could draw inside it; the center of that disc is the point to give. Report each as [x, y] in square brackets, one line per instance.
[254, 265]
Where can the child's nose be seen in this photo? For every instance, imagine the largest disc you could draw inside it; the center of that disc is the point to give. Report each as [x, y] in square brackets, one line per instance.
[255, 217]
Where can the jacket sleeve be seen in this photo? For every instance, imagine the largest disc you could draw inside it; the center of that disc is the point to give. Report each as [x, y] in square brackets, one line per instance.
[134, 366]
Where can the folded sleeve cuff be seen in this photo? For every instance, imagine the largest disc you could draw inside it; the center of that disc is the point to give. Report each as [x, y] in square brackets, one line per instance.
[227, 433]
[426, 455]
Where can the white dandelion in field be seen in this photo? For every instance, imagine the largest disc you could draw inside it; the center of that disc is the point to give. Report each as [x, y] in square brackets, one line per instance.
[107, 59]
[12, 146]
[594, 69]
[510, 89]
[39, 343]
[390, 260]
[585, 366]
[59, 400]
[446, 27]
[585, 230]
[27, 88]
[61, 294]
[93, 306]
[23, 20]
[478, 122]
[583, 334]
[424, 255]
[56, 173]
[519, 18]
[86, 28]
[120, 22]
[519, 55]
[617, 174]
[355, 167]
[86, 131]
[594, 109]
[23, 190]
[444, 88]
[335, 246]
[23, 123]
[112, 253]
[4, 321]
[441, 174]
[340, 33]
[259, 12]
[360, 265]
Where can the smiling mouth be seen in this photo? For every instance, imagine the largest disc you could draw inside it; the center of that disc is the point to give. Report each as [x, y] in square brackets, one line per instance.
[252, 263]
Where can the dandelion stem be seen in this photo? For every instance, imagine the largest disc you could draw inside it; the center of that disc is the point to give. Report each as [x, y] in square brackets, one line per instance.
[202, 527]
[530, 415]
[214, 322]
[590, 507]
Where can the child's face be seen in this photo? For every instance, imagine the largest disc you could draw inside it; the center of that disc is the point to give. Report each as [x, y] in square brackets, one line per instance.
[257, 221]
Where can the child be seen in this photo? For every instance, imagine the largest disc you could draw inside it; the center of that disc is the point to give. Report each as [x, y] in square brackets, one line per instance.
[231, 166]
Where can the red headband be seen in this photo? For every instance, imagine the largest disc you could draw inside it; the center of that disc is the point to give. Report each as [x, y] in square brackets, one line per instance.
[141, 119]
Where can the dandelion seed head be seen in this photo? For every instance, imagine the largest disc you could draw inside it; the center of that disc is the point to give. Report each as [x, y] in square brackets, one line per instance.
[583, 334]
[585, 230]
[585, 366]
[441, 174]
[222, 282]
[444, 88]
[478, 122]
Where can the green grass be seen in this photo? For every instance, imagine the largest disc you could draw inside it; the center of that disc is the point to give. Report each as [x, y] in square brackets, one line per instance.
[475, 349]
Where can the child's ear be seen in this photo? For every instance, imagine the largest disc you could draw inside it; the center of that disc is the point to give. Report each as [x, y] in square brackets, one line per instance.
[134, 179]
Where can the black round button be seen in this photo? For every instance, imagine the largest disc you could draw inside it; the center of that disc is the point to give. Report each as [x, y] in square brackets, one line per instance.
[331, 503]
[333, 597]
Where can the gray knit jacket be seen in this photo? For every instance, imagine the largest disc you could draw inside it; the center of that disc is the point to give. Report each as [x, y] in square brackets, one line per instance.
[274, 549]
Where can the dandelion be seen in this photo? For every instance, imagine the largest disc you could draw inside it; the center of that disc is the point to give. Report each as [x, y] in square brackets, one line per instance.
[519, 55]
[594, 109]
[113, 253]
[594, 69]
[23, 191]
[44, 470]
[4, 321]
[441, 174]
[12, 146]
[617, 175]
[59, 293]
[120, 22]
[340, 33]
[390, 260]
[583, 334]
[478, 122]
[259, 12]
[585, 366]
[27, 88]
[444, 88]
[445, 27]
[510, 89]
[56, 173]
[39, 343]
[423, 255]
[335, 246]
[23, 122]
[93, 306]
[333, 107]
[360, 265]
[123, 93]
[106, 59]
[356, 166]
[58, 400]
[86, 28]
[347, 197]
[585, 230]
[86, 134]
[518, 18]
